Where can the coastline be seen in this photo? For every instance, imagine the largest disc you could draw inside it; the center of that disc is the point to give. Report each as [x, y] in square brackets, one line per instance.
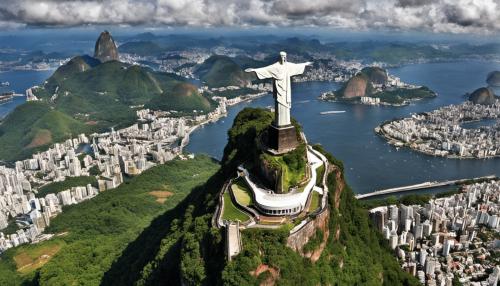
[359, 102]
[214, 116]
[240, 99]
[398, 143]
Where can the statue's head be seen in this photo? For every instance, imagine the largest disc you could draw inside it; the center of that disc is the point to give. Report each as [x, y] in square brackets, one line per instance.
[282, 57]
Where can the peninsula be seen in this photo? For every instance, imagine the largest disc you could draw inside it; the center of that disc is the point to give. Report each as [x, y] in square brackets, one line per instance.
[374, 86]
[445, 132]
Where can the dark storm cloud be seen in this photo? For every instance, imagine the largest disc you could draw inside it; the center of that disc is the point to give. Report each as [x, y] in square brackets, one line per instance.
[413, 3]
[467, 16]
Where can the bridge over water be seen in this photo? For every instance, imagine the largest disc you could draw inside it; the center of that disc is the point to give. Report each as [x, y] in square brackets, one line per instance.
[425, 185]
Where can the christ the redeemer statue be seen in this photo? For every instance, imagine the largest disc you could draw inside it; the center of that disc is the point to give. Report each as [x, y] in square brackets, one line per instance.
[281, 72]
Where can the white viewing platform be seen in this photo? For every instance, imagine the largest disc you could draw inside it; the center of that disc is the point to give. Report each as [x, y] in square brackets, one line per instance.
[271, 203]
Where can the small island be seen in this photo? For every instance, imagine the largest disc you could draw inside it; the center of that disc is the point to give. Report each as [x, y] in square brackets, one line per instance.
[467, 130]
[374, 86]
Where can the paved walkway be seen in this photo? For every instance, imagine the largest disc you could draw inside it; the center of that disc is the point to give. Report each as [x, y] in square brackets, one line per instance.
[233, 240]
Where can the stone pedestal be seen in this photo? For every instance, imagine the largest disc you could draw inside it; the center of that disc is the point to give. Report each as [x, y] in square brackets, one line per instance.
[282, 139]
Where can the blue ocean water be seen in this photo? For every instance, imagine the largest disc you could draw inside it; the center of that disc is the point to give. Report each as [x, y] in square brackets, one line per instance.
[19, 82]
[369, 161]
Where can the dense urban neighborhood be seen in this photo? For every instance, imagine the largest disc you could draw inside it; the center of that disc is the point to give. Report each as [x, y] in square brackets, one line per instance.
[453, 238]
[443, 132]
[103, 159]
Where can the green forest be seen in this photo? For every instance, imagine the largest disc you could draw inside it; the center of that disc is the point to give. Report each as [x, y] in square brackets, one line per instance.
[95, 232]
[191, 251]
[219, 71]
[359, 256]
[400, 95]
[84, 96]
[125, 237]
[54, 188]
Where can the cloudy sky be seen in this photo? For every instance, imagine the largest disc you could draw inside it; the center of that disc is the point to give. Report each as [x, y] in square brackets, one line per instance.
[455, 16]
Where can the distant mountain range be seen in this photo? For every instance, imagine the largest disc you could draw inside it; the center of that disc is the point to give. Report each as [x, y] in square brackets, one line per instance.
[392, 53]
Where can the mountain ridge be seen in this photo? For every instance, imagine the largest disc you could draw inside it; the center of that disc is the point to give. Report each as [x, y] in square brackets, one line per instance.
[182, 247]
[220, 71]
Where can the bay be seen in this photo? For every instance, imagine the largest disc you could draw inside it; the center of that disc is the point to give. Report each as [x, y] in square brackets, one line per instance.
[371, 163]
[20, 80]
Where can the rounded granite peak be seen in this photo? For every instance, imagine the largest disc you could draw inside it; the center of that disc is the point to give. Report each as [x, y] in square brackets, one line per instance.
[482, 95]
[376, 75]
[105, 48]
[493, 79]
[356, 86]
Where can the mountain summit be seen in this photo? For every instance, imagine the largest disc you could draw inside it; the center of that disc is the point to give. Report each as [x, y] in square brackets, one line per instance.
[105, 48]
[483, 95]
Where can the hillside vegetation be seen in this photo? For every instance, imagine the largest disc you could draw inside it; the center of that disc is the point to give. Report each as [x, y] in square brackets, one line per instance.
[98, 230]
[183, 248]
[68, 183]
[362, 84]
[33, 126]
[85, 96]
[219, 71]
[103, 244]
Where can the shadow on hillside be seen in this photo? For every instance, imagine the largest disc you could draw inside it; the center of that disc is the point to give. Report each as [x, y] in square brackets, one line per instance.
[132, 265]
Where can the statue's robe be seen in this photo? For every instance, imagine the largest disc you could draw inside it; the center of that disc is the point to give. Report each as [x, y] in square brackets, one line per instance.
[282, 91]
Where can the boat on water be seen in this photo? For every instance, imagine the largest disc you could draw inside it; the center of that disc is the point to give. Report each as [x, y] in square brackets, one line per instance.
[6, 96]
[4, 83]
[332, 112]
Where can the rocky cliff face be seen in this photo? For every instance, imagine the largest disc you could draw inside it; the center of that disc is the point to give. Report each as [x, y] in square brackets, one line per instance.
[482, 96]
[300, 238]
[376, 75]
[105, 48]
[493, 79]
[356, 86]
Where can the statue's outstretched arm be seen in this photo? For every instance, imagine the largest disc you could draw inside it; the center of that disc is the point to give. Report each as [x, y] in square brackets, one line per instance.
[263, 73]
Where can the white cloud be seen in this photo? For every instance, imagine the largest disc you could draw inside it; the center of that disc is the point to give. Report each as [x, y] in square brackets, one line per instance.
[458, 16]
